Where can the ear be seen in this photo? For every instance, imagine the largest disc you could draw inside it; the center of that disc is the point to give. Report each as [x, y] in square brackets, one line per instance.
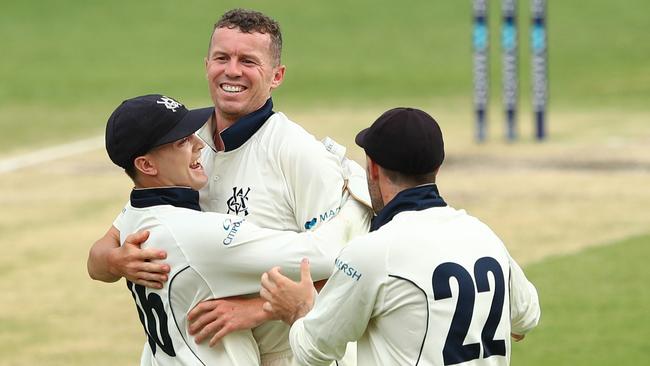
[145, 165]
[205, 62]
[278, 76]
[372, 169]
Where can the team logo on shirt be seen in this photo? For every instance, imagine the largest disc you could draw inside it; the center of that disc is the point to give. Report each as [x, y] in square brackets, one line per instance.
[238, 203]
[232, 227]
[347, 269]
[325, 216]
[311, 223]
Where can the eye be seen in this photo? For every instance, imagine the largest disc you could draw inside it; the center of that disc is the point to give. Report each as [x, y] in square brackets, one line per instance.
[183, 141]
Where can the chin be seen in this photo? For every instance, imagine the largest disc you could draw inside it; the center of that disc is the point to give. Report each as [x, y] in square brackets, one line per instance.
[198, 184]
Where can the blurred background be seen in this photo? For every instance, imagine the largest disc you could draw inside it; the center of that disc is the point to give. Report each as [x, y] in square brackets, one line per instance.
[572, 209]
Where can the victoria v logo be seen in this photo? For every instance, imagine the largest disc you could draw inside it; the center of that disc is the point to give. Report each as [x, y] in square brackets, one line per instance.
[239, 201]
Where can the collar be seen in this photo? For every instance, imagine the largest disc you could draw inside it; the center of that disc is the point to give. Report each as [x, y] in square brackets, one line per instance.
[176, 196]
[411, 199]
[241, 131]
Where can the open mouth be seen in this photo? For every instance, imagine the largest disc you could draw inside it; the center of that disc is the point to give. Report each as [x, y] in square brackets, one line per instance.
[196, 164]
[231, 88]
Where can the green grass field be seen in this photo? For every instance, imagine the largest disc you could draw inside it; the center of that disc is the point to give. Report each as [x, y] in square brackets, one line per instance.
[573, 210]
[68, 63]
[595, 308]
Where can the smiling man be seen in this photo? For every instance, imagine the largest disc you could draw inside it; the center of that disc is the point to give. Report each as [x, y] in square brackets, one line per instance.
[210, 255]
[260, 165]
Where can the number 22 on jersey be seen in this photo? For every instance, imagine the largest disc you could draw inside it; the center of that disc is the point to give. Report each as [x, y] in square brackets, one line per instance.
[454, 351]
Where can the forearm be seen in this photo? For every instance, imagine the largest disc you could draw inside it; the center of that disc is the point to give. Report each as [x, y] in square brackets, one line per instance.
[98, 263]
[98, 258]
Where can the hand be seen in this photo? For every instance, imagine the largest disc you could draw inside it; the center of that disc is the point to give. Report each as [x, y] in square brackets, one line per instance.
[286, 299]
[134, 264]
[517, 337]
[218, 318]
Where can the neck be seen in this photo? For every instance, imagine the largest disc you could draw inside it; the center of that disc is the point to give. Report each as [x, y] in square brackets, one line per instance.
[389, 189]
[223, 121]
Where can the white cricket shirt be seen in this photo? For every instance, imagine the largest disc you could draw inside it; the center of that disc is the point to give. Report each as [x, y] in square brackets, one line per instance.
[215, 255]
[430, 287]
[278, 176]
[273, 172]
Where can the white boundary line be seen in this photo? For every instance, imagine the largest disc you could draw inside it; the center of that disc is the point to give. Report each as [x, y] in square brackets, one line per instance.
[51, 153]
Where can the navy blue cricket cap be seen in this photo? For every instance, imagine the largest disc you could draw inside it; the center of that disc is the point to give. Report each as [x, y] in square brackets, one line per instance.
[142, 123]
[406, 140]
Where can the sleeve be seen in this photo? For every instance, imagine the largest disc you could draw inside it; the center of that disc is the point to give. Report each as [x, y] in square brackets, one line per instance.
[118, 222]
[314, 179]
[238, 252]
[344, 307]
[524, 302]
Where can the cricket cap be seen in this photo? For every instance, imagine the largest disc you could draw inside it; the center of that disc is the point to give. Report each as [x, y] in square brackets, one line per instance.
[406, 140]
[142, 123]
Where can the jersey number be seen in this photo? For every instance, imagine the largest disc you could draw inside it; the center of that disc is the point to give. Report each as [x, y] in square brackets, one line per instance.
[154, 326]
[454, 350]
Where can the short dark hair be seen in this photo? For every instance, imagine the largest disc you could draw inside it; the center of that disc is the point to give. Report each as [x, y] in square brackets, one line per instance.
[409, 179]
[251, 21]
[131, 172]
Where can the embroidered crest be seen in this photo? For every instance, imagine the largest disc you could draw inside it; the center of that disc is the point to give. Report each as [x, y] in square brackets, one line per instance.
[169, 103]
[239, 201]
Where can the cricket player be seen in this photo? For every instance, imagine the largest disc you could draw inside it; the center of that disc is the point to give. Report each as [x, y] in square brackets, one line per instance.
[210, 255]
[429, 285]
[260, 165]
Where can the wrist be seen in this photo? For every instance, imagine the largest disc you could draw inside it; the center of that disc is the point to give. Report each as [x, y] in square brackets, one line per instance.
[111, 259]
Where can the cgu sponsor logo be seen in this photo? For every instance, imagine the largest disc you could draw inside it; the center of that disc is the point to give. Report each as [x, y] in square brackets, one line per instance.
[232, 227]
[347, 269]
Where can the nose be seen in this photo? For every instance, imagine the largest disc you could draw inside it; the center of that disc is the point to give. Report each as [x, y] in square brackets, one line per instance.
[197, 142]
[232, 68]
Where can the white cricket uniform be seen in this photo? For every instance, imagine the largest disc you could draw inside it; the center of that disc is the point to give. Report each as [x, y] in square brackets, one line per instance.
[397, 289]
[276, 175]
[215, 255]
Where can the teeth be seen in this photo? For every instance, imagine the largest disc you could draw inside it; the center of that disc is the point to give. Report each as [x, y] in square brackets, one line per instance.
[231, 88]
[195, 164]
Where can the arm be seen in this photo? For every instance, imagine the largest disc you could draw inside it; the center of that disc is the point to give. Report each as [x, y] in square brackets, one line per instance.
[314, 180]
[287, 300]
[243, 264]
[343, 309]
[108, 261]
[218, 318]
[524, 303]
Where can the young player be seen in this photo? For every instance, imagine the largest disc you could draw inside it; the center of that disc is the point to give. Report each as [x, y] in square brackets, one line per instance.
[210, 255]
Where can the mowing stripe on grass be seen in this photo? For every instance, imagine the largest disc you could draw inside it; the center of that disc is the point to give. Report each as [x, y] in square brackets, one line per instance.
[50, 153]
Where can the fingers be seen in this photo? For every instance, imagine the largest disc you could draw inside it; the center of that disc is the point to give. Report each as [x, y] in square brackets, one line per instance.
[137, 238]
[267, 283]
[265, 294]
[220, 334]
[267, 307]
[517, 337]
[200, 309]
[275, 276]
[151, 254]
[305, 274]
[149, 284]
[153, 268]
[208, 330]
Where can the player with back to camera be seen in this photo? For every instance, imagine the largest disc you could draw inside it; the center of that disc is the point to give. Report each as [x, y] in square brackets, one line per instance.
[210, 255]
[429, 285]
[260, 166]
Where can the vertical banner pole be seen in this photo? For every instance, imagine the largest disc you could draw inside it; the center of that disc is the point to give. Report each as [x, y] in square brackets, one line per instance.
[510, 65]
[539, 65]
[481, 67]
